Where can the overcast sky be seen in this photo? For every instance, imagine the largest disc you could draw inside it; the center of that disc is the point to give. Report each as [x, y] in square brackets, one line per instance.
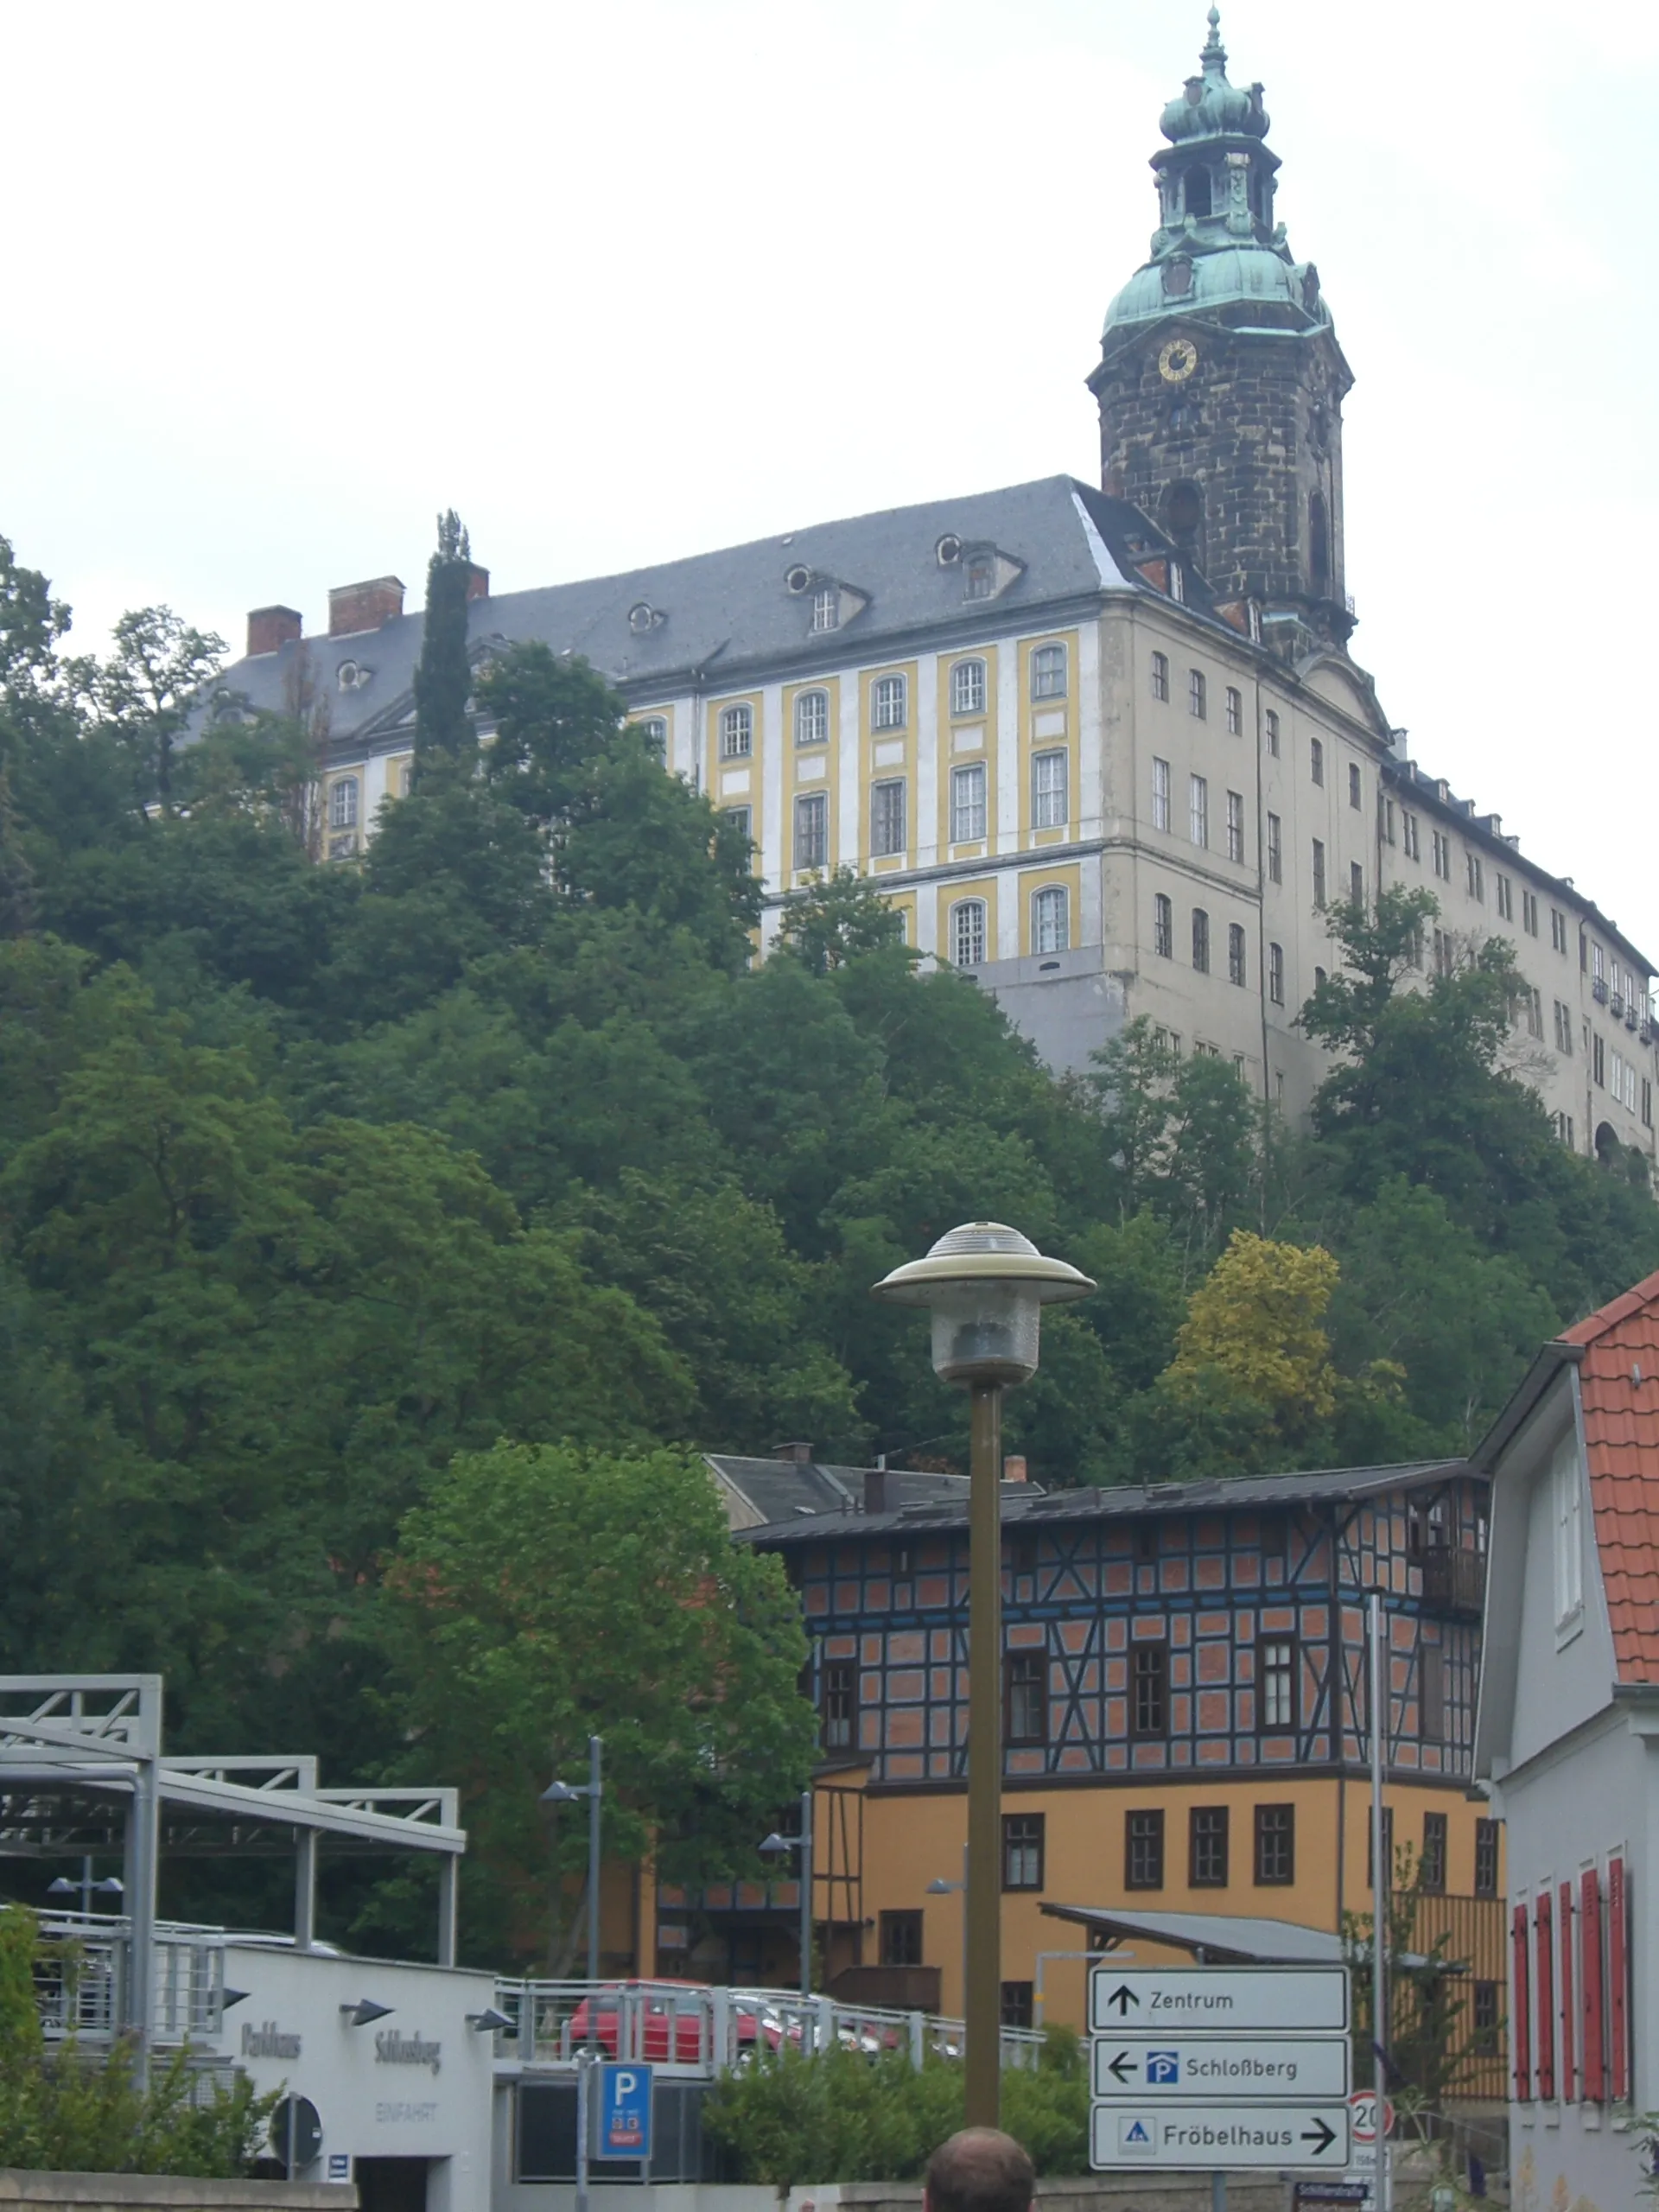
[623, 281]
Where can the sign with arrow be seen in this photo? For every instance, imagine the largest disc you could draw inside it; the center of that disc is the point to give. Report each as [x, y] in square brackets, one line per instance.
[1130, 2067]
[1218, 1999]
[1194, 2133]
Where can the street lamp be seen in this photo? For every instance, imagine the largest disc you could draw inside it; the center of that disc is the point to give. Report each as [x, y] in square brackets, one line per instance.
[985, 1286]
[566, 1793]
[86, 1888]
[777, 1847]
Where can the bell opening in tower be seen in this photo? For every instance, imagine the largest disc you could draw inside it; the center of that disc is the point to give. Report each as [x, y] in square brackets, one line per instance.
[1197, 192]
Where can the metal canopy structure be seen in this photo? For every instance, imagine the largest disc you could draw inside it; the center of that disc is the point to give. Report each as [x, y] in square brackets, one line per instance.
[82, 1769]
[1211, 1938]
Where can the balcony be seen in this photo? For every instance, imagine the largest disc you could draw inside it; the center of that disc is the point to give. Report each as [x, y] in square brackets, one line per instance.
[1599, 990]
[1455, 1580]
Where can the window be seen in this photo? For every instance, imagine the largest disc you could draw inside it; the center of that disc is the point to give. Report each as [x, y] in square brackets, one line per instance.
[1569, 1550]
[1049, 801]
[968, 688]
[1026, 1698]
[1275, 1845]
[736, 732]
[1534, 1012]
[1048, 672]
[1051, 930]
[888, 817]
[342, 804]
[1599, 1060]
[1206, 1847]
[1271, 721]
[968, 803]
[741, 819]
[1235, 711]
[1356, 795]
[812, 718]
[1197, 809]
[812, 829]
[1235, 825]
[1276, 1683]
[1475, 876]
[1161, 676]
[1503, 892]
[1431, 1693]
[837, 1699]
[1160, 794]
[1197, 694]
[1445, 958]
[1431, 1869]
[1022, 1851]
[1647, 1102]
[1143, 1850]
[1019, 2004]
[887, 702]
[826, 608]
[1201, 940]
[1316, 759]
[1485, 1859]
[968, 932]
[1557, 929]
[1564, 1030]
[654, 731]
[1149, 1691]
[1411, 836]
[1163, 926]
[1441, 856]
[1529, 913]
[979, 577]
[901, 1939]
[1275, 851]
[1485, 2019]
[1386, 820]
[1356, 883]
[1235, 952]
[1276, 973]
[1563, 1125]
[1319, 872]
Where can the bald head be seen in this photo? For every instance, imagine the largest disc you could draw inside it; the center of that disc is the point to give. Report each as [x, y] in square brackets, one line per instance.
[980, 2170]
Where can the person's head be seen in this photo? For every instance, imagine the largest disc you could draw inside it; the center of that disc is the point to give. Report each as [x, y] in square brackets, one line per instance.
[980, 2170]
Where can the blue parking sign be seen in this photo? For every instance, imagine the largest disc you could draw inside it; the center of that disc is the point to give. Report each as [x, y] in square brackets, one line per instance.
[624, 2112]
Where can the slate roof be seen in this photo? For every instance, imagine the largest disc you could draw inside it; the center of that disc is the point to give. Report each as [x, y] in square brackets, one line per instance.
[1025, 1504]
[1618, 1382]
[788, 1490]
[730, 612]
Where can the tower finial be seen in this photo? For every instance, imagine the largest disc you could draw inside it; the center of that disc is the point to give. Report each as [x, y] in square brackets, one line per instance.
[1213, 48]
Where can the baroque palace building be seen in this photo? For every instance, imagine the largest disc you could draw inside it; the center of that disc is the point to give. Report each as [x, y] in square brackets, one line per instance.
[1105, 748]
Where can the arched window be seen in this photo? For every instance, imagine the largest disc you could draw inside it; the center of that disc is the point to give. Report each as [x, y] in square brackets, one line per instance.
[1197, 694]
[736, 732]
[1048, 672]
[1163, 927]
[654, 730]
[968, 932]
[968, 688]
[1276, 973]
[1184, 513]
[1197, 192]
[1201, 940]
[342, 804]
[1235, 953]
[1049, 923]
[1319, 544]
[887, 702]
[811, 718]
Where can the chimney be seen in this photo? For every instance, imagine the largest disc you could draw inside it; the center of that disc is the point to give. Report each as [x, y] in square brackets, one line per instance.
[478, 583]
[270, 628]
[878, 1499]
[1013, 1467]
[353, 608]
[799, 1454]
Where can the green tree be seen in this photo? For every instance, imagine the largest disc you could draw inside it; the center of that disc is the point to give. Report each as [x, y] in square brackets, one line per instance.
[444, 679]
[545, 1594]
[148, 688]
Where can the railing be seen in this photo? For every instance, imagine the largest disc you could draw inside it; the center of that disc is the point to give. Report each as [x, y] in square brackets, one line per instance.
[689, 2029]
[1454, 1580]
[1466, 1933]
[80, 1980]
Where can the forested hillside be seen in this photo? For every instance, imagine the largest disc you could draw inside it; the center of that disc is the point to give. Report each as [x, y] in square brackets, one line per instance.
[313, 1176]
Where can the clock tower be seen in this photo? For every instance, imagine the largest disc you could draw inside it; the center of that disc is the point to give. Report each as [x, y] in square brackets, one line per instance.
[1221, 382]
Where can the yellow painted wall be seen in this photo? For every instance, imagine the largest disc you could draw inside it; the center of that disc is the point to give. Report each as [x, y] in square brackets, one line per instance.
[797, 757]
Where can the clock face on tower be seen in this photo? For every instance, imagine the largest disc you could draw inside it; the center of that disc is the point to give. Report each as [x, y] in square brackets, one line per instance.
[1178, 360]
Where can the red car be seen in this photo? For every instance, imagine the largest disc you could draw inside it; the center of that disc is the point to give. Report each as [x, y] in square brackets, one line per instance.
[667, 2032]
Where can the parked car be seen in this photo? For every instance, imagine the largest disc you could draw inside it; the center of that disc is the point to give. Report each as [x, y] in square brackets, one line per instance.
[667, 2031]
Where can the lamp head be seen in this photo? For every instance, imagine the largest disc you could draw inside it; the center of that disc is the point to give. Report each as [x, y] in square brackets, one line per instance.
[63, 1887]
[488, 2022]
[985, 1286]
[938, 1887]
[111, 1886]
[561, 1793]
[775, 1845]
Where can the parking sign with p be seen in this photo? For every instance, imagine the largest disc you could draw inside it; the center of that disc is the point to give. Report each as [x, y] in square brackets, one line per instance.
[624, 2112]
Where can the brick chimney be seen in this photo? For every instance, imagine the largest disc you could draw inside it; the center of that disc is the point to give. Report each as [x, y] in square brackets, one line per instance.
[270, 628]
[1013, 1468]
[478, 583]
[799, 1454]
[353, 608]
[881, 1493]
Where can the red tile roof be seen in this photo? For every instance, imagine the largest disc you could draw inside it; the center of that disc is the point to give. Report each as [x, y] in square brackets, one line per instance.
[1618, 1378]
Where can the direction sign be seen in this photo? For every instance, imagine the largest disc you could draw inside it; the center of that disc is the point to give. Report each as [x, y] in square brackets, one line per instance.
[1268, 2000]
[1200, 2134]
[1130, 2068]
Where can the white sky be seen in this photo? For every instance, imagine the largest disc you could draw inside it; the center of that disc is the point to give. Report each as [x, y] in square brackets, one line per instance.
[634, 278]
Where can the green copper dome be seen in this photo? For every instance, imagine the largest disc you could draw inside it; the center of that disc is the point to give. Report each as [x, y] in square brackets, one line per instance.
[1231, 277]
[1208, 106]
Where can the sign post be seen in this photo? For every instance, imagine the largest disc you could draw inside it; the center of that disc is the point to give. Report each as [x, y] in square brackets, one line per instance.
[1219, 2067]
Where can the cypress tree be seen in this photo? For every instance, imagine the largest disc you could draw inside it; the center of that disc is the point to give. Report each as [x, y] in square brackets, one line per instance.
[444, 679]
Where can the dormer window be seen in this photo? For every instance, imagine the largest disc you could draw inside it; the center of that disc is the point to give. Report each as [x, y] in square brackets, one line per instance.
[826, 608]
[979, 573]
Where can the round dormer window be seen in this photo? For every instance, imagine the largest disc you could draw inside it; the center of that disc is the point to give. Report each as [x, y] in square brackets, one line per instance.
[948, 550]
[642, 616]
[798, 579]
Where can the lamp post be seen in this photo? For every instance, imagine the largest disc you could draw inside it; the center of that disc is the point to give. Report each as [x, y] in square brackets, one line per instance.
[776, 1846]
[940, 1888]
[985, 1287]
[566, 1793]
[86, 1888]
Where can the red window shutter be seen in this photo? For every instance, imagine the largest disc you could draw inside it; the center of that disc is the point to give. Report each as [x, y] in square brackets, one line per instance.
[1618, 2029]
[1569, 2032]
[1595, 2085]
[1521, 2009]
[1545, 1947]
